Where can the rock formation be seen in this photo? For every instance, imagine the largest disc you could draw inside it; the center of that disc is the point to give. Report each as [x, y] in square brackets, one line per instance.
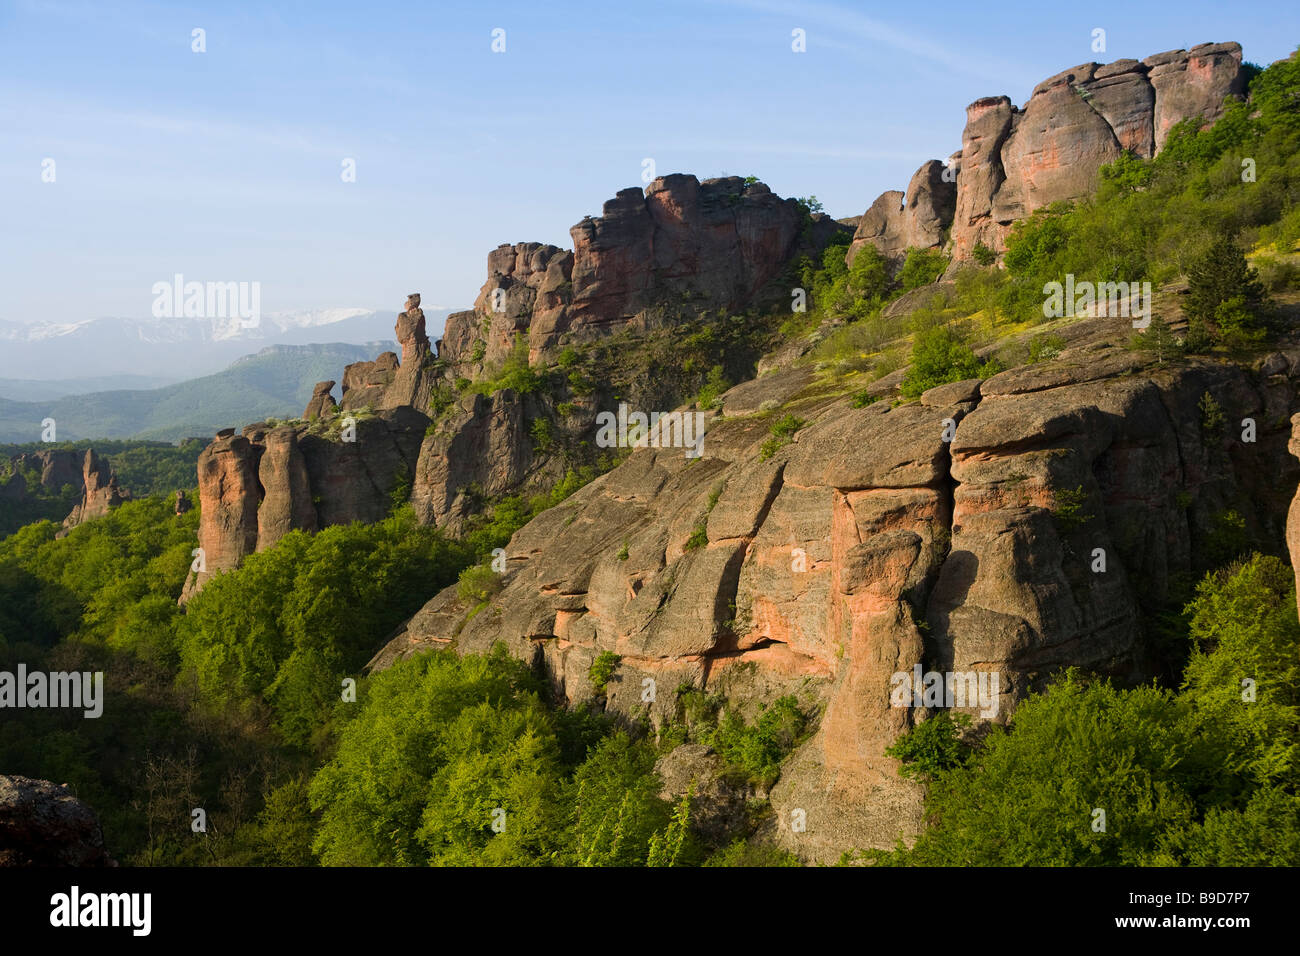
[100, 492]
[256, 487]
[1013, 161]
[917, 219]
[58, 467]
[42, 824]
[679, 247]
[870, 545]
[321, 404]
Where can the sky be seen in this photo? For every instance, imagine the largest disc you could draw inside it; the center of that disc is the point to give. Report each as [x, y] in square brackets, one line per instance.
[228, 164]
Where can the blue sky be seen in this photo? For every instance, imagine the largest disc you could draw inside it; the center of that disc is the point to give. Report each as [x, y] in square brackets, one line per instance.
[225, 165]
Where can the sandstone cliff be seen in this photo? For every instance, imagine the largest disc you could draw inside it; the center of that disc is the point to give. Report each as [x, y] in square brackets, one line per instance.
[680, 247]
[870, 545]
[257, 486]
[1013, 161]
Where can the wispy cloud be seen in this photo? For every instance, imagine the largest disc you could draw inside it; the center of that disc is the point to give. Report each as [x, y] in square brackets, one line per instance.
[841, 23]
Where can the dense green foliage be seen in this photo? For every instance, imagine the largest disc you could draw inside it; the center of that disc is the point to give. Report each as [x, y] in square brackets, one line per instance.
[941, 355]
[1207, 775]
[249, 704]
[458, 760]
[142, 467]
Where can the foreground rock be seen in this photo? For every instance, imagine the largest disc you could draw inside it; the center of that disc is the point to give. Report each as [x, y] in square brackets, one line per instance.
[42, 824]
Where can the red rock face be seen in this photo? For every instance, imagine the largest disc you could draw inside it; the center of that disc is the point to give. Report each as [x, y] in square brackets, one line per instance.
[285, 488]
[256, 487]
[680, 247]
[229, 494]
[1014, 161]
[871, 544]
[1193, 83]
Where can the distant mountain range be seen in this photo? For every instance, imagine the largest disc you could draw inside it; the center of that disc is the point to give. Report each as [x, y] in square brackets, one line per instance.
[96, 353]
[277, 381]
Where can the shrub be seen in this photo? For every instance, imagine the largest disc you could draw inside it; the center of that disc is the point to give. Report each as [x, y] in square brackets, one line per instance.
[1224, 293]
[932, 746]
[602, 669]
[921, 267]
[714, 386]
[940, 356]
[477, 584]
[782, 431]
[541, 434]
[1068, 508]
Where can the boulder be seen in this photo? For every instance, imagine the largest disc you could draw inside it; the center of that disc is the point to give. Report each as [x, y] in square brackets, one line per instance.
[321, 404]
[43, 824]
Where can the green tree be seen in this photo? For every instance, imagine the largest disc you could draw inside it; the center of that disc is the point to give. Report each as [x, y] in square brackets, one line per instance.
[1224, 294]
[939, 356]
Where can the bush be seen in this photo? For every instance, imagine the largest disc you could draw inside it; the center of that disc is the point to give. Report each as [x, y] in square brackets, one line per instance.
[1225, 295]
[477, 585]
[940, 356]
[602, 669]
[714, 386]
[782, 431]
[932, 746]
[921, 267]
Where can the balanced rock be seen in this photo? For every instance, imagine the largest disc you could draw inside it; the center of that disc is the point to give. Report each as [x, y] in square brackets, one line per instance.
[321, 404]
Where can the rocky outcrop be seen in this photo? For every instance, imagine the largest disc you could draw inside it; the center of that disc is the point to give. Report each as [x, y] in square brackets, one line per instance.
[960, 532]
[366, 383]
[42, 824]
[413, 379]
[229, 494]
[917, 219]
[679, 247]
[100, 491]
[1193, 84]
[321, 404]
[387, 382]
[256, 487]
[286, 495]
[1013, 161]
[484, 446]
[57, 467]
